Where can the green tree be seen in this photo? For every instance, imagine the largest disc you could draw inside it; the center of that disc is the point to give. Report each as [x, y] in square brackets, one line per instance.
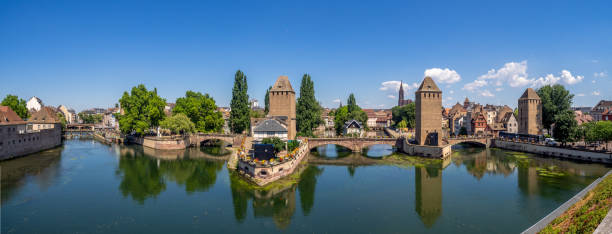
[62, 119]
[555, 100]
[239, 120]
[405, 113]
[143, 110]
[308, 109]
[178, 123]
[267, 101]
[201, 110]
[257, 114]
[402, 124]
[17, 105]
[90, 118]
[279, 145]
[343, 114]
[565, 127]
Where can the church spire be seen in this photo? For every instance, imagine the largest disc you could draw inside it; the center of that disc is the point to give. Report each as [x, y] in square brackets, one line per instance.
[400, 97]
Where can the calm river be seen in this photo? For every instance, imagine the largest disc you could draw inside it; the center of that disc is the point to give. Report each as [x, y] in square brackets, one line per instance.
[86, 186]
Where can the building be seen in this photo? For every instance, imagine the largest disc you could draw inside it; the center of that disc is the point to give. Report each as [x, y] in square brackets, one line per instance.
[479, 124]
[109, 120]
[69, 114]
[18, 137]
[353, 128]
[582, 118]
[607, 115]
[467, 104]
[269, 128]
[428, 116]
[254, 104]
[45, 118]
[400, 97]
[168, 108]
[509, 122]
[583, 109]
[457, 124]
[34, 104]
[530, 113]
[282, 103]
[599, 109]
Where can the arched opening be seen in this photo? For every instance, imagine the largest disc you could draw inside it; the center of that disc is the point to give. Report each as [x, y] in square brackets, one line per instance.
[215, 147]
[378, 150]
[330, 151]
[469, 146]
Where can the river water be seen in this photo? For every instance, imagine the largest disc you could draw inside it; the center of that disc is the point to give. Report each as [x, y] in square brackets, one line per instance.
[85, 186]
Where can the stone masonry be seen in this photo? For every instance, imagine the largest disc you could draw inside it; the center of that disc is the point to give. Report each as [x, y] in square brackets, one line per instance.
[428, 113]
[282, 103]
[530, 113]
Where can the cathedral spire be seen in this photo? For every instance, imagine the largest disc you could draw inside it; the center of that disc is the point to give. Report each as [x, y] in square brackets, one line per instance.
[400, 97]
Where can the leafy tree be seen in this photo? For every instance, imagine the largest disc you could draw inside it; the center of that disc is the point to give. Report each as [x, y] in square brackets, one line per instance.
[402, 124]
[279, 145]
[143, 109]
[308, 109]
[178, 124]
[257, 114]
[239, 120]
[597, 131]
[90, 118]
[267, 101]
[555, 100]
[515, 112]
[406, 113]
[292, 144]
[62, 119]
[343, 114]
[201, 110]
[17, 105]
[565, 127]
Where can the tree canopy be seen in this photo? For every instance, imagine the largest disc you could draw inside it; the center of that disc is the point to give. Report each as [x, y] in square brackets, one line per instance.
[143, 110]
[201, 109]
[565, 127]
[178, 123]
[279, 145]
[90, 118]
[267, 101]
[239, 120]
[18, 105]
[404, 113]
[555, 100]
[596, 131]
[349, 112]
[308, 108]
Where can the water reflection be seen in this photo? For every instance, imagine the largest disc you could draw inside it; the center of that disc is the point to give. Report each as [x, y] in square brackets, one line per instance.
[428, 194]
[44, 167]
[144, 171]
[276, 201]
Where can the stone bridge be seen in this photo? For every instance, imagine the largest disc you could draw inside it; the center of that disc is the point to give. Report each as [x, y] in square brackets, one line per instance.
[354, 144]
[481, 141]
[198, 138]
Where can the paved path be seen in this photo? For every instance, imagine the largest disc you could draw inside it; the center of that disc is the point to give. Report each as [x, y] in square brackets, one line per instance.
[605, 227]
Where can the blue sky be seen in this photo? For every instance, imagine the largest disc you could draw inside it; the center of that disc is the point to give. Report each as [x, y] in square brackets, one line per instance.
[87, 53]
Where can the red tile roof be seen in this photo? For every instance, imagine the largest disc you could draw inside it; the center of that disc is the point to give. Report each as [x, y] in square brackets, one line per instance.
[8, 116]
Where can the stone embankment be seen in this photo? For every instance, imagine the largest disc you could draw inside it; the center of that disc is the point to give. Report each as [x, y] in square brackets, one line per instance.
[19, 143]
[567, 153]
[265, 172]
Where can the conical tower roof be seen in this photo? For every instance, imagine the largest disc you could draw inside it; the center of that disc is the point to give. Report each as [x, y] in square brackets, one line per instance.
[282, 84]
[530, 94]
[428, 84]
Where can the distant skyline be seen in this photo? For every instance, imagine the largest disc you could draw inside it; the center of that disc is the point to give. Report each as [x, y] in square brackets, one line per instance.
[85, 54]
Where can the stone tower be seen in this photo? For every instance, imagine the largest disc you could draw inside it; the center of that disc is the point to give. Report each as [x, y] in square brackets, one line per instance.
[282, 103]
[400, 96]
[428, 115]
[530, 113]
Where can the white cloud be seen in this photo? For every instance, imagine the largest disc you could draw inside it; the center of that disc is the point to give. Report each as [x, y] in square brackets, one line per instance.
[568, 78]
[487, 93]
[395, 84]
[600, 74]
[449, 98]
[444, 76]
[595, 93]
[550, 79]
[336, 100]
[474, 85]
[451, 92]
[513, 73]
[381, 105]
[593, 81]
[580, 95]
[391, 96]
[499, 89]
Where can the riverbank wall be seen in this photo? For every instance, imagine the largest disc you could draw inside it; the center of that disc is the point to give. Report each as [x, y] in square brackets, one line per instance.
[265, 173]
[426, 150]
[583, 155]
[160, 143]
[16, 141]
[538, 226]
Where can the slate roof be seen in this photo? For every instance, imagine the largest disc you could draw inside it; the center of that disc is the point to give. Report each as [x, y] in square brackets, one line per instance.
[270, 125]
[354, 123]
[282, 84]
[530, 94]
[8, 116]
[428, 84]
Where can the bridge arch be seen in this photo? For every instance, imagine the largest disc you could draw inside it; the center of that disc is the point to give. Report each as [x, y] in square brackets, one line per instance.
[313, 145]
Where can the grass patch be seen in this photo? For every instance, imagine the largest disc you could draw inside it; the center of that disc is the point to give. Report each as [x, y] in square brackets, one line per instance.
[585, 215]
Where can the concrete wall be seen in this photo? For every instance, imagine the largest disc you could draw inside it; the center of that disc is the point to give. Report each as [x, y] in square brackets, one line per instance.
[161, 143]
[554, 151]
[272, 173]
[15, 141]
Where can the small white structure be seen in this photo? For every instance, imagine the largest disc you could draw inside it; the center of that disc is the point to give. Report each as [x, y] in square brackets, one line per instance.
[254, 103]
[270, 128]
[34, 104]
[510, 123]
[353, 127]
